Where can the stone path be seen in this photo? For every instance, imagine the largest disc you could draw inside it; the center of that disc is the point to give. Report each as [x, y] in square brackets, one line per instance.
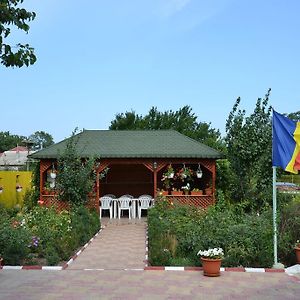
[120, 245]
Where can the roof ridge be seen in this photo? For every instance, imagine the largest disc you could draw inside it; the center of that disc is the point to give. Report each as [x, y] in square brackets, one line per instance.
[193, 140]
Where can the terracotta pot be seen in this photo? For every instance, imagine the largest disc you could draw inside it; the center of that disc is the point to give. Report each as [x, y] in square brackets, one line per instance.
[297, 250]
[176, 193]
[164, 193]
[211, 267]
[200, 193]
[208, 191]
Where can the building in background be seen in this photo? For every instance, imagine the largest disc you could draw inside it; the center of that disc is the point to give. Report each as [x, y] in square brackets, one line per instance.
[15, 159]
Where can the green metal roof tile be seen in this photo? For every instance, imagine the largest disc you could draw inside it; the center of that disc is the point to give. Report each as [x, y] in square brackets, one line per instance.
[133, 144]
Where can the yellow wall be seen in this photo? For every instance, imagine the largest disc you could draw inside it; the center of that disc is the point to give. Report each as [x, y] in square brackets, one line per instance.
[9, 196]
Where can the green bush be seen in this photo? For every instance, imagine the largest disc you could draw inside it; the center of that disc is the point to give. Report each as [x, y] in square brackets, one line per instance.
[247, 239]
[14, 241]
[45, 233]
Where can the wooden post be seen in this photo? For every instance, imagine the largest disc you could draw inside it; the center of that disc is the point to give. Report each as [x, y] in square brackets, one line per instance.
[154, 182]
[214, 179]
[41, 180]
[97, 192]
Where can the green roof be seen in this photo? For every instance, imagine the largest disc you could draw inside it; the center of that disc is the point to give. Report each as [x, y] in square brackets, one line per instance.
[133, 144]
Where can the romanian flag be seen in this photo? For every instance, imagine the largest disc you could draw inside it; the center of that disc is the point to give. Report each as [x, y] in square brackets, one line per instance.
[286, 143]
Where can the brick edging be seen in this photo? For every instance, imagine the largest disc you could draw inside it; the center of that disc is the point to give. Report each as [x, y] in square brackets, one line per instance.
[226, 269]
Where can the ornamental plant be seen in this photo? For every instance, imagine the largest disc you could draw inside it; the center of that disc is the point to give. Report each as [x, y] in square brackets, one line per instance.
[186, 187]
[185, 174]
[212, 253]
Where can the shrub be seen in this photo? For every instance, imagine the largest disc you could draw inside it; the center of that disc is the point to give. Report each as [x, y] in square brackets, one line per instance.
[245, 238]
[14, 241]
[45, 233]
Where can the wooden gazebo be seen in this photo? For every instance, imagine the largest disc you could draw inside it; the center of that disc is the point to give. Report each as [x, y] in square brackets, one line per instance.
[137, 160]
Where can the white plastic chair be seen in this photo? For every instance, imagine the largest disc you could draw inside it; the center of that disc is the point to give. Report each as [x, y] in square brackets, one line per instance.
[110, 195]
[127, 196]
[124, 204]
[144, 203]
[106, 203]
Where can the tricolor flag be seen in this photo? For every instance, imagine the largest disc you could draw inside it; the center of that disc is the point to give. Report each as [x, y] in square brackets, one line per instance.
[286, 143]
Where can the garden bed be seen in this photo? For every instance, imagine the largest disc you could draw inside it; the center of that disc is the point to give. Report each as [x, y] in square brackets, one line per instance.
[43, 236]
[176, 234]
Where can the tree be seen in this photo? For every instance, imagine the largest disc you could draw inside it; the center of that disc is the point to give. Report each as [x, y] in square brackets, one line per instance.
[249, 148]
[294, 116]
[183, 120]
[12, 15]
[8, 141]
[75, 177]
[41, 139]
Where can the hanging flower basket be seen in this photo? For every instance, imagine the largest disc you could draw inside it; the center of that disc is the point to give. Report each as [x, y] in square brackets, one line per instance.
[19, 188]
[53, 175]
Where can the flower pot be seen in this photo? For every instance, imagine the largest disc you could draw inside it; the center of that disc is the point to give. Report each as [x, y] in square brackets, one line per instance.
[208, 191]
[176, 193]
[53, 175]
[199, 174]
[211, 267]
[186, 192]
[165, 193]
[199, 193]
[297, 250]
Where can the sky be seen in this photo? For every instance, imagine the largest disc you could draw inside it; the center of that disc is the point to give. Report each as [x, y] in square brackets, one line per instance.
[98, 58]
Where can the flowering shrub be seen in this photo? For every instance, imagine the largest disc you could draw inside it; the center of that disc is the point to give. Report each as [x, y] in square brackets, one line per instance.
[44, 234]
[212, 253]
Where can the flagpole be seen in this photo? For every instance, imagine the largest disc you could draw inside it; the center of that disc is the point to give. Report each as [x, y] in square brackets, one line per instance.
[274, 216]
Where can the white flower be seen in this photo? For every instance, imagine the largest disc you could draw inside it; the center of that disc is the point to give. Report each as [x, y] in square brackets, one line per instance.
[213, 253]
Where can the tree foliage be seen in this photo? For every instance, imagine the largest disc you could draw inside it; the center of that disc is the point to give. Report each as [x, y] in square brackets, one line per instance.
[75, 177]
[41, 139]
[294, 116]
[249, 147]
[12, 15]
[182, 120]
[9, 141]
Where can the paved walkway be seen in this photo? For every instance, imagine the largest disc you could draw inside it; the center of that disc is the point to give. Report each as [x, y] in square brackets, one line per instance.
[120, 245]
[118, 284]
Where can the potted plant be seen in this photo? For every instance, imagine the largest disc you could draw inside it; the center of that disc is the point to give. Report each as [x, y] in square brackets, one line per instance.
[211, 261]
[167, 178]
[196, 192]
[185, 174]
[162, 192]
[297, 250]
[208, 190]
[176, 192]
[186, 188]
[47, 188]
[170, 172]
